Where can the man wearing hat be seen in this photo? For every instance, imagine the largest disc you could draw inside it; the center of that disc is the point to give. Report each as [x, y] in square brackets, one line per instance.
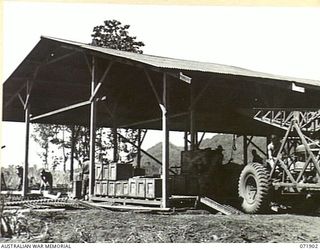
[46, 180]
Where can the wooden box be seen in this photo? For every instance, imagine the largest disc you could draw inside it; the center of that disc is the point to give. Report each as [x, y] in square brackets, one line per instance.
[132, 185]
[120, 171]
[105, 172]
[121, 188]
[139, 172]
[141, 187]
[111, 188]
[153, 188]
[125, 188]
[101, 188]
[99, 172]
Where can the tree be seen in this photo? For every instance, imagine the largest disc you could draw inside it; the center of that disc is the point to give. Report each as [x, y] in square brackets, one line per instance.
[112, 34]
[44, 134]
[115, 36]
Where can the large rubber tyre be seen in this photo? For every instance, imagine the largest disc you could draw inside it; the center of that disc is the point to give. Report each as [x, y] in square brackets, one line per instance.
[254, 188]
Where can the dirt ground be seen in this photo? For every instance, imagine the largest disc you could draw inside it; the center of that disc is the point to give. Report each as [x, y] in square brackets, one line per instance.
[191, 226]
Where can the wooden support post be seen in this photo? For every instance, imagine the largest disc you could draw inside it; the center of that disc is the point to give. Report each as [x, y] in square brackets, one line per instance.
[185, 141]
[115, 143]
[26, 161]
[192, 120]
[245, 150]
[139, 149]
[165, 143]
[92, 132]
[72, 152]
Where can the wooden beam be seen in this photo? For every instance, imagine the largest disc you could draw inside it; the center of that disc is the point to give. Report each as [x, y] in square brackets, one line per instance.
[193, 130]
[21, 100]
[165, 142]
[72, 152]
[152, 86]
[15, 95]
[61, 110]
[126, 200]
[92, 132]
[30, 85]
[115, 143]
[26, 159]
[95, 92]
[196, 99]
[151, 120]
[60, 58]
[185, 140]
[87, 61]
[202, 136]
[139, 149]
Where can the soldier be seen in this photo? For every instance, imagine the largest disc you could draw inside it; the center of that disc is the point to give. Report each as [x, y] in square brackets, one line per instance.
[46, 180]
[273, 149]
[19, 172]
[85, 177]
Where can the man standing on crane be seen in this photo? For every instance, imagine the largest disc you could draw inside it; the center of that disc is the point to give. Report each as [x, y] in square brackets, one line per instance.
[273, 149]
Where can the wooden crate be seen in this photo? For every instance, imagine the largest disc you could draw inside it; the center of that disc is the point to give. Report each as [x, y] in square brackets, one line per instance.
[132, 186]
[125, 188]
[98, 188]
[141, 187]
[139, 172]
[99, 172]
[153, 188]
[121, 188]
[101, 188]
[105, 172]
[119, 171]
[104, 185]
[111, 188]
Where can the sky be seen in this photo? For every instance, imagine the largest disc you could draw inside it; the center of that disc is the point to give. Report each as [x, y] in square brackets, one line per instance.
[280, 40]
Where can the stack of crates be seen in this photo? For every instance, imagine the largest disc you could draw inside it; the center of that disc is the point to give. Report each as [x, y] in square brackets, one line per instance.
[112, 179]
[101, 185]
[118, 175]
[119, 180]
[146, 188]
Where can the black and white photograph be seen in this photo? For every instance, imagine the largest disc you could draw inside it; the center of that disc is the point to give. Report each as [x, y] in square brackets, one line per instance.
[159, 123]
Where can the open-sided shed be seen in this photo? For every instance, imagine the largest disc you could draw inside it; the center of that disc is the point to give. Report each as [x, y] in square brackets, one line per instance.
[66, 82]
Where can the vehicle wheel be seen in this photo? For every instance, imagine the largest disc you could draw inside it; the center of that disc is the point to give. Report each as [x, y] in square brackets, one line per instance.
[253, 188]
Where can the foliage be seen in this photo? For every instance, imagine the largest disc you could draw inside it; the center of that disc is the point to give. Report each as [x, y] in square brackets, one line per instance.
[43, 134]
[115, 36]
[112, 34]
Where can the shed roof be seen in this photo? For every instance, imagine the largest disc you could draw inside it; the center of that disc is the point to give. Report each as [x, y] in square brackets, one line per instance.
[226, 95]
[188, 65]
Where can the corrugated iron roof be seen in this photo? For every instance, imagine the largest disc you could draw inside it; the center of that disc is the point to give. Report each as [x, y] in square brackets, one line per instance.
[180, 64]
